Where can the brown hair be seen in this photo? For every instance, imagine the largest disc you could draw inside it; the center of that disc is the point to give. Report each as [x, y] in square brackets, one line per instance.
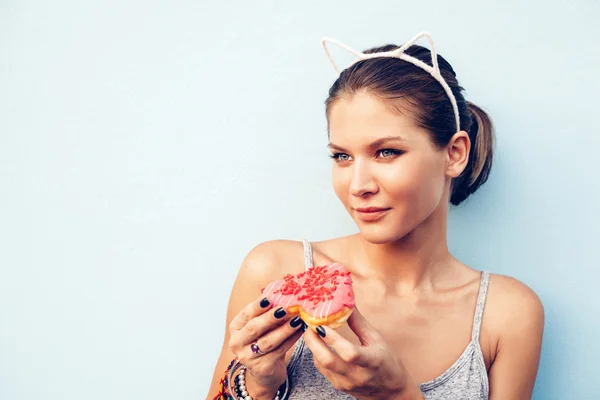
[413, 90]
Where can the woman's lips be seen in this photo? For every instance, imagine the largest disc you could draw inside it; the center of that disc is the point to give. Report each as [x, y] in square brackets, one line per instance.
[370, 214]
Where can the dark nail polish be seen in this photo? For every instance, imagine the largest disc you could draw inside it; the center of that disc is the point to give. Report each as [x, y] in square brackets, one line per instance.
[295, 322]
[280, 312]
[264, 303]
[304, 326]
[321, 331]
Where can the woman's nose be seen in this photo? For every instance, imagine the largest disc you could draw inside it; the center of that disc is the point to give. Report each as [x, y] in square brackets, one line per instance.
[362, 182]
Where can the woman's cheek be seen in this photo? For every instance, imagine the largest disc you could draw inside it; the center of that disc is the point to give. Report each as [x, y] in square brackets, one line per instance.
[431, 190]
[412, 192]
[340, 185]
[402, 182]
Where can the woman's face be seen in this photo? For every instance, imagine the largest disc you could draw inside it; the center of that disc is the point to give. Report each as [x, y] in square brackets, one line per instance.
[386, 171]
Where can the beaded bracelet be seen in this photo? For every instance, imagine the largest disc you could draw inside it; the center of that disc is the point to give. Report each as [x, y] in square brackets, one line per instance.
[240, 383]
[240, 389]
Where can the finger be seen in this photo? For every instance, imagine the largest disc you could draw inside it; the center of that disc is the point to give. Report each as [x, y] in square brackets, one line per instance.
[276, 338]
[323, 355]
[363, 330]
[270, 359]
[347, 351]
[263, 324]
[252, 310]
[289, 342]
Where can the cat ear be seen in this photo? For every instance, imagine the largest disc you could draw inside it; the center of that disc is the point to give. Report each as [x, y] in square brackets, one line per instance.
[398, 53]
[433, 69]
[325, 40]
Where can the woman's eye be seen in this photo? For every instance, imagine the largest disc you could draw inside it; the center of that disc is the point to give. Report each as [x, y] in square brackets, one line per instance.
[342, 157]
[387, 153]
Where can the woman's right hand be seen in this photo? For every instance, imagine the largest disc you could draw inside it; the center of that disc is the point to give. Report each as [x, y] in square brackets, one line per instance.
[274, 332]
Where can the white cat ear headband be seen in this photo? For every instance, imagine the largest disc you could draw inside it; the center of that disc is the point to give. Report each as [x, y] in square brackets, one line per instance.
[434, 69]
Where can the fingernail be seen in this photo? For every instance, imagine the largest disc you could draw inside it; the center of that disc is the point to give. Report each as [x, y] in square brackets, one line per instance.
[321, 331]
[280, 312]
[295, 322]
[304, 326]
[264, 303]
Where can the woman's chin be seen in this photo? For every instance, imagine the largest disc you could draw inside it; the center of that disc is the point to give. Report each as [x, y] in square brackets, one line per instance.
[379, 234]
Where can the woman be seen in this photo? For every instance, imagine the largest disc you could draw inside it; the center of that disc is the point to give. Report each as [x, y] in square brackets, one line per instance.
[405, 143]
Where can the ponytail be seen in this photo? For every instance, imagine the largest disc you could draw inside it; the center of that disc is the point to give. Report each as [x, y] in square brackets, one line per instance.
[478, 168]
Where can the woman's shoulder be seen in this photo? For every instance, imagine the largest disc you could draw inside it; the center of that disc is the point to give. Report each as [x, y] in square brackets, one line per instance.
[512, 308]
[291, 251]
[510, 297]
[264, 263]
[271, 259]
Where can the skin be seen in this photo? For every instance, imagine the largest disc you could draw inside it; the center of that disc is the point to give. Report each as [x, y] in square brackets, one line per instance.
[414, 300]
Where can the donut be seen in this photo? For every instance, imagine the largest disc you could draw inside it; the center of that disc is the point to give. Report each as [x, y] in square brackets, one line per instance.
[321, 295]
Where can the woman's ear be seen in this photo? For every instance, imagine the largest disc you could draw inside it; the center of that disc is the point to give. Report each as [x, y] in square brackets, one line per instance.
[457, 154]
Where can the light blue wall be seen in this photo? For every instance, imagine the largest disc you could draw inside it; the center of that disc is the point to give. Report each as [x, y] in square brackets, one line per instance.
[146, 146]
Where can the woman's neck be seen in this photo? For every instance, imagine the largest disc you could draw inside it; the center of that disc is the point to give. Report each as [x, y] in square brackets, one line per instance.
[415, 262]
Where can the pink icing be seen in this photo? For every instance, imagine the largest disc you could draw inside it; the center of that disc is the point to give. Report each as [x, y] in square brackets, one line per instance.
[319, 291]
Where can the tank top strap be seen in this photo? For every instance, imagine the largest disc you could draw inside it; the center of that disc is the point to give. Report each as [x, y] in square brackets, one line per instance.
[308, 256]
[483, 287]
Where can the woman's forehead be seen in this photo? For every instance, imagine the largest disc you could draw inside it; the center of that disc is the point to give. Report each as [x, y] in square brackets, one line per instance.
[364, 118]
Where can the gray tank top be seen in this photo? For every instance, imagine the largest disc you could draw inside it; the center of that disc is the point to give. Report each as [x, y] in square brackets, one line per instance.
[466, 379]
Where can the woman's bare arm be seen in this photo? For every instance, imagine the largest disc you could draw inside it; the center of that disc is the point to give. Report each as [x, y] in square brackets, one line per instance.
[519, 317]
[263, 264]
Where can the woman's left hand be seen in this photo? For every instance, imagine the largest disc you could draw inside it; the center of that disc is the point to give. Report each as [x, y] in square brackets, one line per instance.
[369, 371]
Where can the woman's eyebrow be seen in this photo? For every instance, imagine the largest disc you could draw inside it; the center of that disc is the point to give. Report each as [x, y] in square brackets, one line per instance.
[375, 144]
